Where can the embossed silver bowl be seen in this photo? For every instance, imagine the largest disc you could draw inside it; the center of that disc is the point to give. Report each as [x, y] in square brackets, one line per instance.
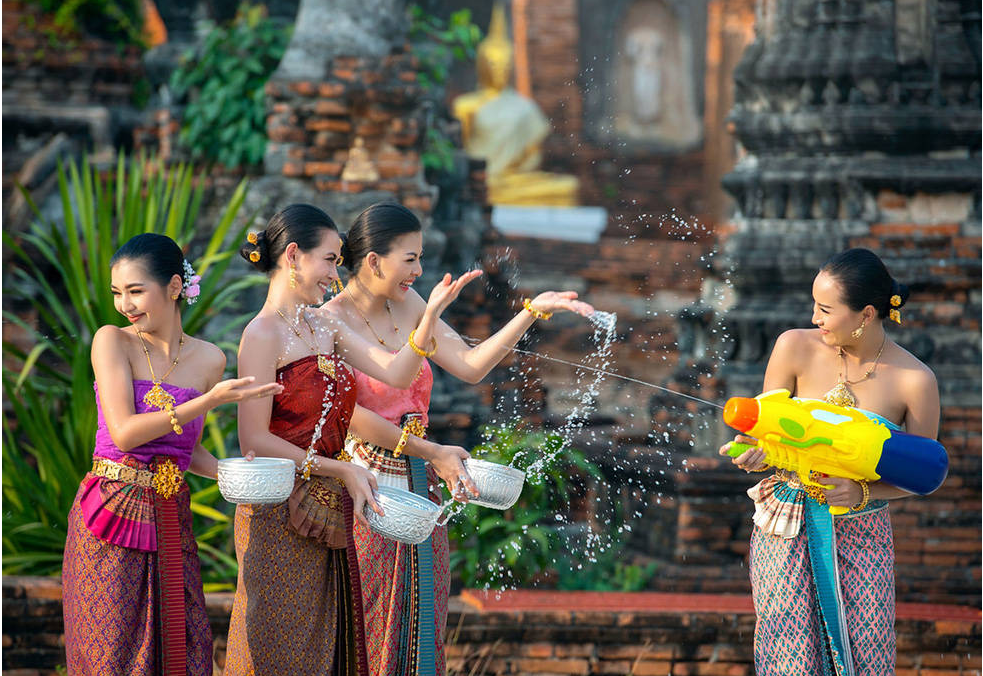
[409, 518]
[499, 485]
[257, 481]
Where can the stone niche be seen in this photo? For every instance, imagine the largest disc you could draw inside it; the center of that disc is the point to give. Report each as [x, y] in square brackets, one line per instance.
[643, 65]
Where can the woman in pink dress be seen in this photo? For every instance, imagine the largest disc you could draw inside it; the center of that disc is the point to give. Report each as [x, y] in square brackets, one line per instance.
[132, 592]
[405, 588]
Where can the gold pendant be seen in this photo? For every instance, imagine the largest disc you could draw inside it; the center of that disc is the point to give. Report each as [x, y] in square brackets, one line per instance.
[325, 365]
[167, 479]
[159, 398]
[840, 395]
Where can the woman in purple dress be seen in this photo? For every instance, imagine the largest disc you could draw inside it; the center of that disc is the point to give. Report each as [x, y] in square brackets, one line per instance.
[133, 597]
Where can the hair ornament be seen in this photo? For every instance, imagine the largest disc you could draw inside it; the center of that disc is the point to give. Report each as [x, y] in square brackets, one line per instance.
[254, 256]
[191, 280]
[894, 314]
[252, 238]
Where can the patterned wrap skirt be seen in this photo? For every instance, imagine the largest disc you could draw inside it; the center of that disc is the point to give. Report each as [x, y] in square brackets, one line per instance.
[404, 587]
[111, 601]
[824, 593]
[293, 611]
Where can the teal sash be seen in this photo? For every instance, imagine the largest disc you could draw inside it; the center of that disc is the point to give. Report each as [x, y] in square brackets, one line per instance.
[826, 575]
[426, 657]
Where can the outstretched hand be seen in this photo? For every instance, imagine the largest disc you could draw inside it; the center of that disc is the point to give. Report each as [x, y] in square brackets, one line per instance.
[447, 290]
[558, 301]
[239, 389]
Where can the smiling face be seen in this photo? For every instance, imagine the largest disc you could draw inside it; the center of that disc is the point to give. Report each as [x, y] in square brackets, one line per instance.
[835, 319]
[317, 268]
[138, 297]
[399, 268]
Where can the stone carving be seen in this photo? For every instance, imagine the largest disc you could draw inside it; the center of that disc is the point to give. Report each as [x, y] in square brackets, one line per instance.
[654, 92]
[359, 166]
[643, 78]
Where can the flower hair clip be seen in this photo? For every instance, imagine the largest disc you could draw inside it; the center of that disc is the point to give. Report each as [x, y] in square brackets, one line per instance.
[253, 239]
[894, 314]
[191, 279]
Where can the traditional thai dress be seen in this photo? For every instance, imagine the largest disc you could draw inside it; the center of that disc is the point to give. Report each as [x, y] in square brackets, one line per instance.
[404, 587]
[823, 585]
[132, 591]
[295, 609]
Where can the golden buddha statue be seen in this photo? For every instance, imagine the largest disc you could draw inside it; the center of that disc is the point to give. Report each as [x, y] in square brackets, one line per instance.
[506, 129]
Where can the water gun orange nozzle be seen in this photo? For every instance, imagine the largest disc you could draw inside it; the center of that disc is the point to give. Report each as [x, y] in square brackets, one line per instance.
[741, 413]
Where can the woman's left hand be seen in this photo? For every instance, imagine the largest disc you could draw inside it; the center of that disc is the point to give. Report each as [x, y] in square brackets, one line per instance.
[844, 492]
[449, 465]
[558, 301]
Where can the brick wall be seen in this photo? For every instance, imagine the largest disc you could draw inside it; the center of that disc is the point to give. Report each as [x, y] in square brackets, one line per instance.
[540, 633]
[312, 126]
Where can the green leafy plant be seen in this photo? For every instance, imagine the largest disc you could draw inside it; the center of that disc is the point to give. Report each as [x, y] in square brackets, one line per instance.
[521, 544]
[61, 276]
[607, 572]
[224, 79]
[437, 44]
[120, 20]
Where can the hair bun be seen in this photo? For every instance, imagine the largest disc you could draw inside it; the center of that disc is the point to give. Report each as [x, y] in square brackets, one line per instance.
[256, 251]
[901, 291]
[346, 253]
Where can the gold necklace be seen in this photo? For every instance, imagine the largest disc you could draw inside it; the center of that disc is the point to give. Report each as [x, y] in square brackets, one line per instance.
[366, 319]
[324, 365]
[841, 394]
[157, 397]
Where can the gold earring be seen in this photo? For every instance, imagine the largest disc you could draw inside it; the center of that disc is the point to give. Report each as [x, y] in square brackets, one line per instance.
[175, 296]
[859, 331]
[293, 276]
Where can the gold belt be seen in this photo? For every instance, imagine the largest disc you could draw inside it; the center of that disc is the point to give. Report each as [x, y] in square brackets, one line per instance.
[166, 480]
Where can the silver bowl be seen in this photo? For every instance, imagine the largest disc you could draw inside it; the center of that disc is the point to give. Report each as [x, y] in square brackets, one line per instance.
[499, 486]
[410, 518]
[257, 481]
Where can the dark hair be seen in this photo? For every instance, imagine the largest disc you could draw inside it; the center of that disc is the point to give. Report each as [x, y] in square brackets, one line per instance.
[300, 223]
[159, 255]
[375, 229]
[865, 281]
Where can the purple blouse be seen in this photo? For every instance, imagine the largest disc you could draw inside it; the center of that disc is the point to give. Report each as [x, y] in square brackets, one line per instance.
[177, 446]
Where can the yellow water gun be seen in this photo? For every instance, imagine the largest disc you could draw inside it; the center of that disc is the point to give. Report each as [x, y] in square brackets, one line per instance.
[806, 436]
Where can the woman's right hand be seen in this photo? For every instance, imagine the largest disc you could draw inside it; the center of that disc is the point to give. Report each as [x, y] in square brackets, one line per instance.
[361, 486]
[238, 389]
[447, 289]
[751, 460]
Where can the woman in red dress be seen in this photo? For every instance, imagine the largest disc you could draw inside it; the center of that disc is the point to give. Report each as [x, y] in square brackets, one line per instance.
[296, 609]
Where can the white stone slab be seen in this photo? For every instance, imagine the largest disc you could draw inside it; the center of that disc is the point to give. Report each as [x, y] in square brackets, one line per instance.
[573, 224]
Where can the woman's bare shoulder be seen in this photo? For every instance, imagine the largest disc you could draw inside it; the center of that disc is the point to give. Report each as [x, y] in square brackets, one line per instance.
[911, 369]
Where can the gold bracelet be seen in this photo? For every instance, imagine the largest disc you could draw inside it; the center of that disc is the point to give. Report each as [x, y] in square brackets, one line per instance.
[420, 351]
[538, 314]
[398, 451]
[863, 503]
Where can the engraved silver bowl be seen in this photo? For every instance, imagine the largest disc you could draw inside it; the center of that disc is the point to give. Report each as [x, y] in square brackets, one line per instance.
[257, 481]
[499, 485]
[410, 518]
